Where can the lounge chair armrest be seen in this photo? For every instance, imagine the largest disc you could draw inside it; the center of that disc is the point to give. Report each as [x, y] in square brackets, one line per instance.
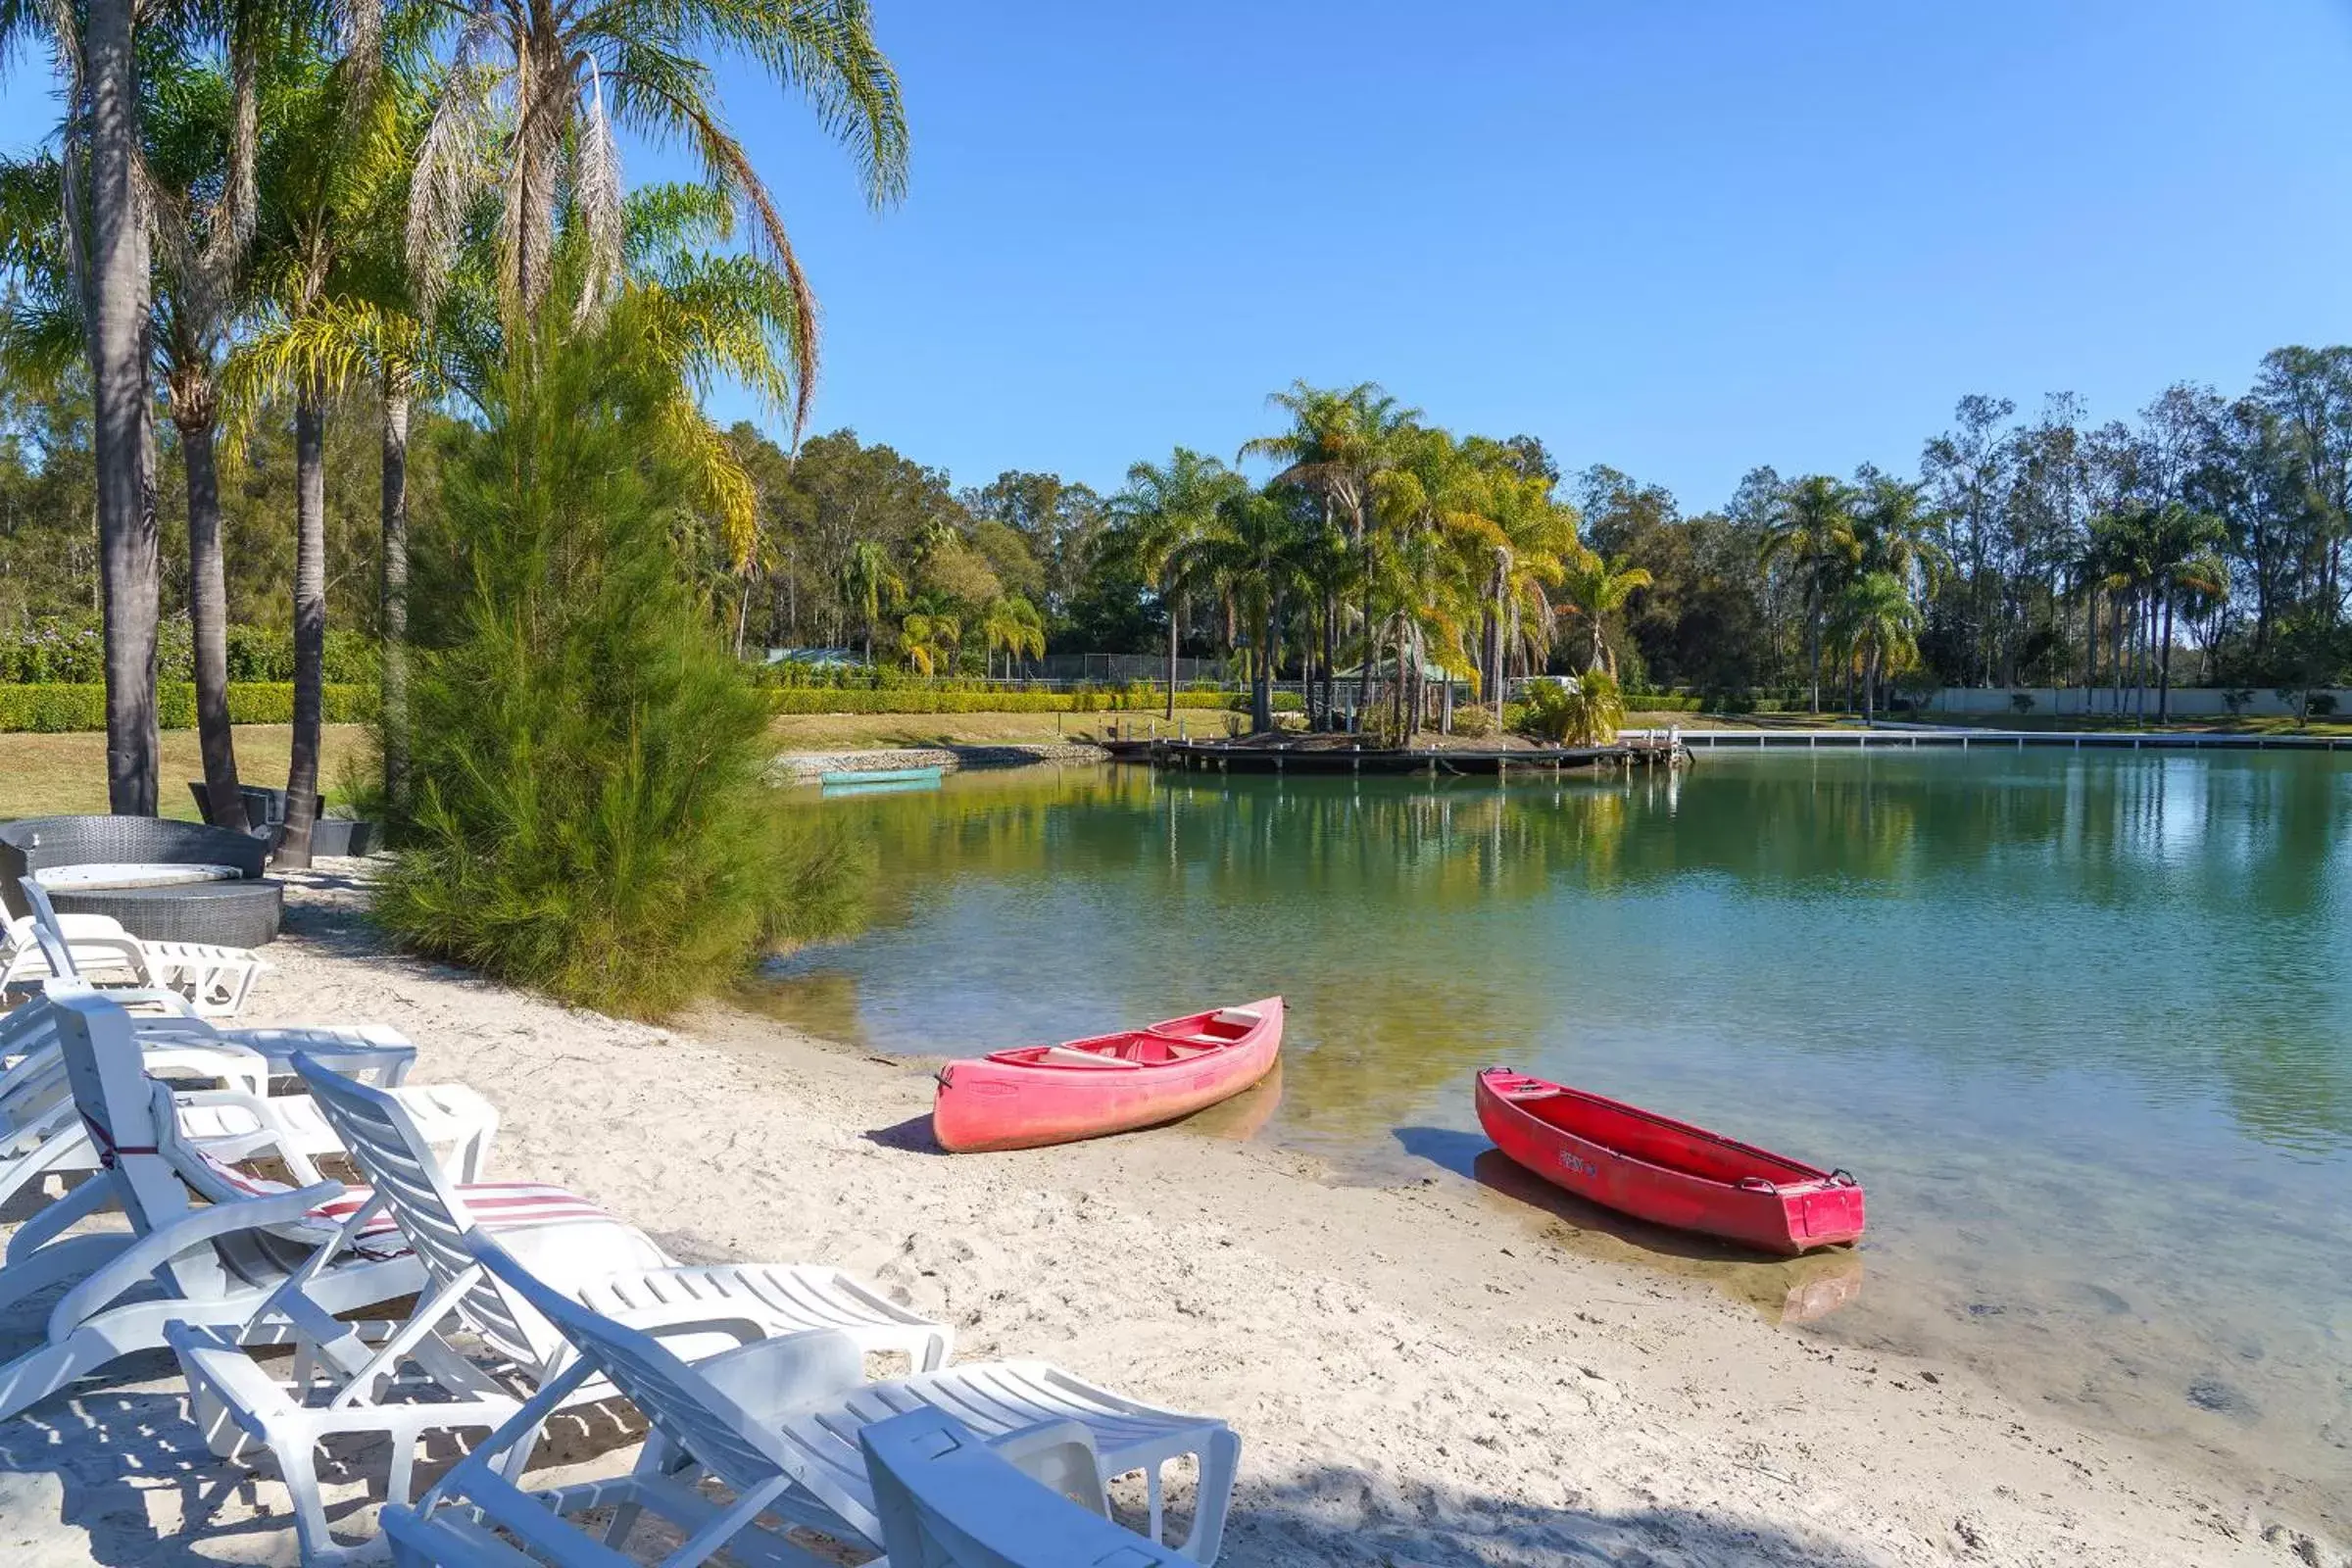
[241, 1067]
[157, 1248]
[786, 1369]
[269, 1131]
[662, 1323]
[1059, 1454]
[384, 1066]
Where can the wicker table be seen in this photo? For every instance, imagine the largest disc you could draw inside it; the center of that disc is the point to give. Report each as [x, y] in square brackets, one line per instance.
[229, 915]
[239, 914]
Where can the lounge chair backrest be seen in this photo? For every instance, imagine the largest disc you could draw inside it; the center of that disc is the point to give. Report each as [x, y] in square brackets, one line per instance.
[398, 1162]
[48, 932]
[131, 1123]
[684, 1403]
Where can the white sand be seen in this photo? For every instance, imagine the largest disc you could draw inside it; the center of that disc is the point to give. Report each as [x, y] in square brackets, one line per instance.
[1417, 1377]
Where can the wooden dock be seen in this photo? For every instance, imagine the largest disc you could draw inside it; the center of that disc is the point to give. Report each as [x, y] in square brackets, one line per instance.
[1962, 740]
[1233, 757]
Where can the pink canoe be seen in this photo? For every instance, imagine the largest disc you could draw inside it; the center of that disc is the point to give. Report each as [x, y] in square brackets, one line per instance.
[1666, 1171]
[1038, 1095]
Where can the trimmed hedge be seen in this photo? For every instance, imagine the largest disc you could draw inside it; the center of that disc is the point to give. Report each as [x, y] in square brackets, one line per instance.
[56, 707]
[821, 700]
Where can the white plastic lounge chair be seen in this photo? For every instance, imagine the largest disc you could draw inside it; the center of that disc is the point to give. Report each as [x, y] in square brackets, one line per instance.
[214, 1265]
[946, 1500]
[216, 980]
[41, 1134]
[776, 1423]
[340, 1385]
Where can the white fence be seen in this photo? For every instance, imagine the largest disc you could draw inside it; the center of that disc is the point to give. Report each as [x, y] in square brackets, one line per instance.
[2078, 701]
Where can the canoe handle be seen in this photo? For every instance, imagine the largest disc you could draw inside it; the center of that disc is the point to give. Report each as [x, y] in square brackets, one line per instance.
[1757, 1184]
[1841, 1177]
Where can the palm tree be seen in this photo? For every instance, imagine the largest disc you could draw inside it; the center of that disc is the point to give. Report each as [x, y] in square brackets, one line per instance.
[2180, 556]
[930, 633]
[1012, 623]
[535, 93]
[1340, 441]
[1896, 531]
[1595, 590]
[106, 252]
[1813, 530]
[1254, 554]
[868, 584]
[1878, 626]
[1160, 515]
[1525, 535]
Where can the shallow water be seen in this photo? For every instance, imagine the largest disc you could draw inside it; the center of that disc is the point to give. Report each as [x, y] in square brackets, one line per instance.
[2082, 1022]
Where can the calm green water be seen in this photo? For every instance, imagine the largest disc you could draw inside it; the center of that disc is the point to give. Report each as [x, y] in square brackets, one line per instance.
[2082, 1022]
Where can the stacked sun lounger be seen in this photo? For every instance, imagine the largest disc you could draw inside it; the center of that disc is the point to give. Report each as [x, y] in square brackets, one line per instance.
[432, 1300]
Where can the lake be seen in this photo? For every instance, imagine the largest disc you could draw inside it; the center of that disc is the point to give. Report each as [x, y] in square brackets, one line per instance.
[2082, 1021]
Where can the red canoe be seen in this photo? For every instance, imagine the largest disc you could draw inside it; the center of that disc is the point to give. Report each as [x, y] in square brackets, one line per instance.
[1666, 1171]
[1110, 1084]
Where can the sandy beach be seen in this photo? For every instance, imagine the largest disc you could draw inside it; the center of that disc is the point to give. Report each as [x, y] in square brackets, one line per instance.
[1416, 1378]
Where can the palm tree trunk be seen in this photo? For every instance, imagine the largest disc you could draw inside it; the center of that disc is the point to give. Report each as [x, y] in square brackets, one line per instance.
[1870, 688]
[310, 622]
[2164, 665]
[208, 624]
[1175, 630]
[393, 597]
[1262, 688]
[1813, 643]
[129, 576]
[1331, 652]
[1502, 589]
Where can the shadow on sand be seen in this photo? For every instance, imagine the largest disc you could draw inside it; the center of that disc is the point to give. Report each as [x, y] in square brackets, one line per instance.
[133, 1471]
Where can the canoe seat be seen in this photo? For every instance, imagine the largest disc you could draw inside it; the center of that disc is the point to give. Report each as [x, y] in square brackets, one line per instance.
[1064, 1056]
[1239, 1017]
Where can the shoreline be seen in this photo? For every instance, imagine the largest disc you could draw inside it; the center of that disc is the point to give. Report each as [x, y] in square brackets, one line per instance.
[1418, 1376]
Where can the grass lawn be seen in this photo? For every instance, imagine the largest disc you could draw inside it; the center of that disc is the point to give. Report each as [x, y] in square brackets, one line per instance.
[45, 774]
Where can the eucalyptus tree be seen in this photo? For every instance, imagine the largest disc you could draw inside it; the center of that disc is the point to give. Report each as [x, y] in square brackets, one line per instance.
[1813, 530]
[1340, 441]
[1158, 516]
[536, 93]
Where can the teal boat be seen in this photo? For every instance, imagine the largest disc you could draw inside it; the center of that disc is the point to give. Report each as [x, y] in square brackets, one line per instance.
[920, 777]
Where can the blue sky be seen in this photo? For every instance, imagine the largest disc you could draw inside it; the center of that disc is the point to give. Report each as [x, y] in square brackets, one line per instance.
[1679, 238]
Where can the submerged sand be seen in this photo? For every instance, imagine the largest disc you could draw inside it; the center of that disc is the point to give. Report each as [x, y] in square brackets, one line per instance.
[1417, 1377]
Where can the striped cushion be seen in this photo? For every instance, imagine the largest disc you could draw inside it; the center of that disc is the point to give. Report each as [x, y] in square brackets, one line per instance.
[494, 1205]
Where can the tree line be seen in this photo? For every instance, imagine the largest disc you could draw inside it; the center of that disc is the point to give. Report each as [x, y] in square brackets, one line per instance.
[2201, 541]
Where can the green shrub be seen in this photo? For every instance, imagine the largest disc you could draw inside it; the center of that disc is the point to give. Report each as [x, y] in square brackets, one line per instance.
[589, 815]
[1582, 711]
[53, 707]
